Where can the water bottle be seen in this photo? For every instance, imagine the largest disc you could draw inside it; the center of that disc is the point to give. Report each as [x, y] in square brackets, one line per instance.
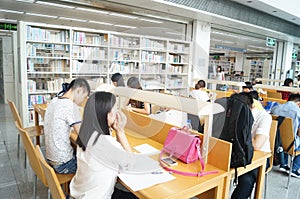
[189, 125]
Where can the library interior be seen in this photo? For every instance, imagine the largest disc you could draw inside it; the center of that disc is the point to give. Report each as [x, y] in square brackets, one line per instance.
[168, 63]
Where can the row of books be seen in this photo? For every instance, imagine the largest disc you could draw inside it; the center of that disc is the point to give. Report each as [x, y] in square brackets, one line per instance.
[176, 47]
[124, 67]
[176, 82]
[37, 49]
[88, 52]
[85, 38]
[153, 68]
[124, 54]
[153, 56]
[37, 99]
[48, 65]
[55, 85]
[176, 69]
[39, 34]
[177, 59]
[78, 67]
[124, 42]
[153, 44]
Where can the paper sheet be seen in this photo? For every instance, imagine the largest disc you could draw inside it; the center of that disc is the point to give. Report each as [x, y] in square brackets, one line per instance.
[143, 181]
[146, 149]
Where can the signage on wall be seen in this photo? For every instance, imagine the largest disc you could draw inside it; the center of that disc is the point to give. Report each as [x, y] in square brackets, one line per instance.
[271, 42]
[243, 50]
[8, 26]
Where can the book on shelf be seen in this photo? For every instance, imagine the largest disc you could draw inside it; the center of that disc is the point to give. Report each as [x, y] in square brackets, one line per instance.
[153, 44]
[152, 56]
[40, 34]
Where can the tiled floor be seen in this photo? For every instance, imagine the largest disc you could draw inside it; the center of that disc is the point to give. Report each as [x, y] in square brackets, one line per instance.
[17, 182]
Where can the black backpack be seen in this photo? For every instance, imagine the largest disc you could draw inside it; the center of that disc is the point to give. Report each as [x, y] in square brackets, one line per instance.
[237, 130]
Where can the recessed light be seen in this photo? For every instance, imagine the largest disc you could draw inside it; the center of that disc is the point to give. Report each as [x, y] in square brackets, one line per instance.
[249, 1]
[274, 10]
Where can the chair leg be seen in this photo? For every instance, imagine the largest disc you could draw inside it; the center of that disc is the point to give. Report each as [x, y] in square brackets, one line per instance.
[34, 186]
[291, 168]
[266, 185]
[18, 153]
[25, 160]
[49, 194]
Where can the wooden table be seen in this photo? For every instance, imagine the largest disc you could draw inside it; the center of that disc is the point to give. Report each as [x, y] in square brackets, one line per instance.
[182, 186]
[258, 161]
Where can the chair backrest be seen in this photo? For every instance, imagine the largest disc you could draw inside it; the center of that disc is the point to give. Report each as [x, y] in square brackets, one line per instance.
[52, 180]
[272, 134]
[32, 156]
[15, 112]
[287, 135]
[274, 95]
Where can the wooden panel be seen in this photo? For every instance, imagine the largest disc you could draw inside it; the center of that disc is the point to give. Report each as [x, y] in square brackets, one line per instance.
[274, 95]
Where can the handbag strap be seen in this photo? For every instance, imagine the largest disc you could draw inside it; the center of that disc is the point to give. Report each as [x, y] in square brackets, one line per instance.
[197, 174]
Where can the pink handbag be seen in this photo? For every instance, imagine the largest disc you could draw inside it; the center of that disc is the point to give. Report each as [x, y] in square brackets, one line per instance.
[184, 146]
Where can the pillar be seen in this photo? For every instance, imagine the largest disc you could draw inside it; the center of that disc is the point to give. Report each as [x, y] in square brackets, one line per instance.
[200, 52]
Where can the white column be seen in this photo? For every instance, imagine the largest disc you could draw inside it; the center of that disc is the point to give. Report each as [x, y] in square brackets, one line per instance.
[200, 53]
[239, 62]
[282, 60]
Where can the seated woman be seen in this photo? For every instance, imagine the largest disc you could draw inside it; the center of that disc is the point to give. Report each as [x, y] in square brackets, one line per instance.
[134, 105]
[199, 92]
[97, 168]
[285, 94]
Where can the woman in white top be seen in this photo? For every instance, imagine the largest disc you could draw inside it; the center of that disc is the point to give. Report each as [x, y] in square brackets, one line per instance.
[99, 155]
[199, 92]
[220, 76]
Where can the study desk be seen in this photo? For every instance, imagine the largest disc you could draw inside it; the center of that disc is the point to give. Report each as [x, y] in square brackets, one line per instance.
[258, 161]
[182, 186]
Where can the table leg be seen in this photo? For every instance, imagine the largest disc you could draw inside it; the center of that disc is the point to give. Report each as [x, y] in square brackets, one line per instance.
[37, 122]
[260, 181]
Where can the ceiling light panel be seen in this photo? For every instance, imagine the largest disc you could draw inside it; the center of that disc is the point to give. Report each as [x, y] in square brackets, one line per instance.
[11, 11]
[150, 20]
[26, 1]
[8, 20]
[123, 26]
[41, 15]
[54, 4]
[122, 15]
[72, 19]
[92, 10]
[100, 22]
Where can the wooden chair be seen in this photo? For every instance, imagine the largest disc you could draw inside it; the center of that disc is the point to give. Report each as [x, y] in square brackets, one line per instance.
[288, 139]
[35, 163]
[274, 95]
[273, 131]
[34, 131]
[51, 177]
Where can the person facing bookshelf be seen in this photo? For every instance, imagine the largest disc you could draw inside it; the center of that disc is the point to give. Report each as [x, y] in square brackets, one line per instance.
[117, 80]
[134, 105]
[63, 115]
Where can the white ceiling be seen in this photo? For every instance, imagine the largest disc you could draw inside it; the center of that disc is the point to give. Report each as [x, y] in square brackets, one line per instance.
[169, 19]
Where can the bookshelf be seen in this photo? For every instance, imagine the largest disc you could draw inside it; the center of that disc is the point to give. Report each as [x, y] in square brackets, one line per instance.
[257, 68]
[53, 54]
